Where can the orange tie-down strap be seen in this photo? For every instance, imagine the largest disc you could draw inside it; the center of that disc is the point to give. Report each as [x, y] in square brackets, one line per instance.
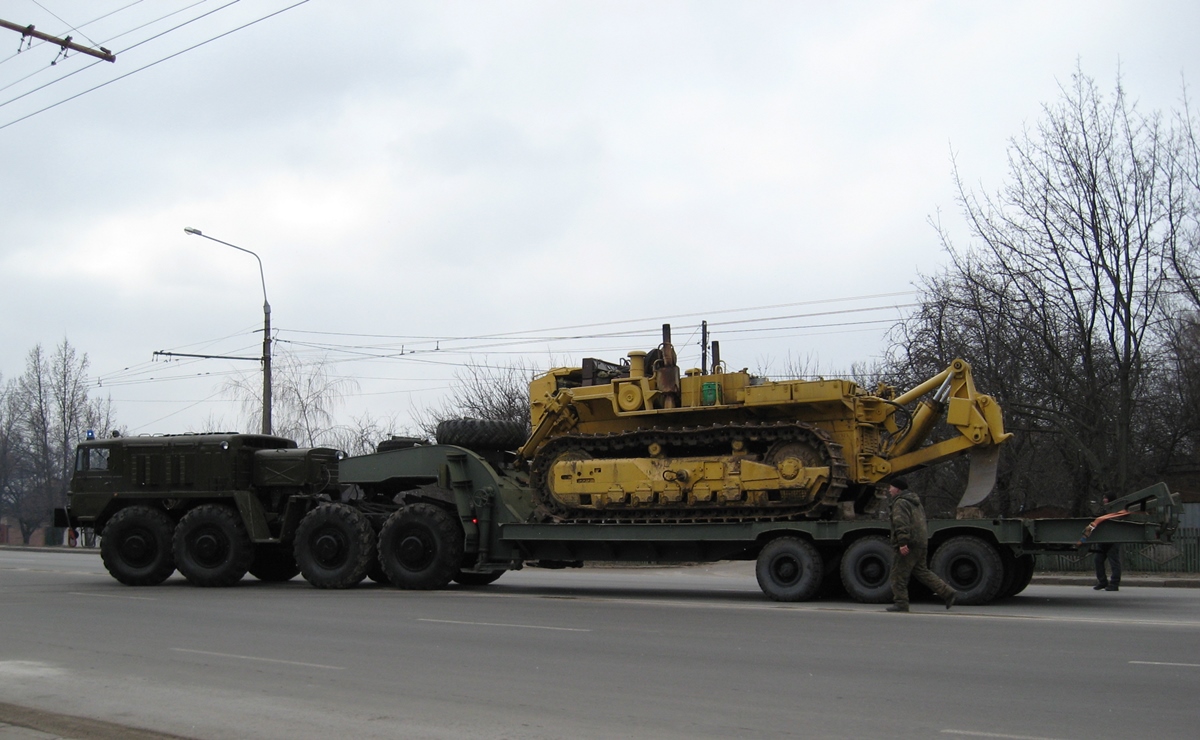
[1087, 531]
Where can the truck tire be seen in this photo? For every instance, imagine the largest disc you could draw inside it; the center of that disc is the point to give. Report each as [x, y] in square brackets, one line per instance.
[477, 579]
[420, 547]
[486, 434]
[334, 546]
[789, 569]
[867, 570]
[136, 546]
[274, 563]
[212, 547]
[376, 574]
[971, 566]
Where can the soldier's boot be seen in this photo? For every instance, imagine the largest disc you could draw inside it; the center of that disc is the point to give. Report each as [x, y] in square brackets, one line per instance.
[897, 608]
[952, 599]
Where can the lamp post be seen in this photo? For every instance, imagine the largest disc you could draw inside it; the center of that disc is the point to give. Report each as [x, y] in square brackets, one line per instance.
[266, 355]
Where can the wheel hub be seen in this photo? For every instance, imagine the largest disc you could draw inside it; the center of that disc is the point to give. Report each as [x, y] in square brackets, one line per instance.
[136, 548]
[209, 548]
[328, 548]
[413, 551]
[871, 571]
[787, 570]
[964, 573]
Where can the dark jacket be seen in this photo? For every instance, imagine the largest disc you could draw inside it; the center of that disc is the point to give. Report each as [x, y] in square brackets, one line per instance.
[908, 520]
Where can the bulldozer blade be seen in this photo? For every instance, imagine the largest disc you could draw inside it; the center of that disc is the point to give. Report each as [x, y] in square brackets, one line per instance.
[982, 477]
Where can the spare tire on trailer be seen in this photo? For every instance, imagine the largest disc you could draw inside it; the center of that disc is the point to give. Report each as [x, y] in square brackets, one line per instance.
[483, 434]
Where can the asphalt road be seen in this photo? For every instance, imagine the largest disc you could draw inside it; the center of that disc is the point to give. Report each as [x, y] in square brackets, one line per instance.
[643, 653]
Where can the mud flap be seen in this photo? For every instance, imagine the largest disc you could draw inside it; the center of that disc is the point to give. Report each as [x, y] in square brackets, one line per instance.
[982, 477]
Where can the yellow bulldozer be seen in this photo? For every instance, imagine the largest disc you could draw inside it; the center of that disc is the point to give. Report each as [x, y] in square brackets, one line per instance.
[640, 442]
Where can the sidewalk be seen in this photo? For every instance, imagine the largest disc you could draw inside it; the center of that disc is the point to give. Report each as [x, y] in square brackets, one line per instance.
[1158, 580]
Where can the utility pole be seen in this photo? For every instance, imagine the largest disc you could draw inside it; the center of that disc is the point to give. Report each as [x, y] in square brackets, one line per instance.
[28, 31]
[704, 348]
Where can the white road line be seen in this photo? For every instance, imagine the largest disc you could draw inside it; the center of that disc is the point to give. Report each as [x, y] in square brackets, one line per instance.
[261, 660]
[111, 596]
[516, 626]
[969, 733]
[1152, 662]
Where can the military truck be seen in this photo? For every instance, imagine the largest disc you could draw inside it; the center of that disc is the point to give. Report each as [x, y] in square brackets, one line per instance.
[626, 462]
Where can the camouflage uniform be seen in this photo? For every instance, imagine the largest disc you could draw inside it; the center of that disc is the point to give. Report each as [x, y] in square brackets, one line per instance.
[908, 528]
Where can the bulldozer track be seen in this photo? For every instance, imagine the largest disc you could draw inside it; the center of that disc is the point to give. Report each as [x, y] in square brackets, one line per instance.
[689, 442]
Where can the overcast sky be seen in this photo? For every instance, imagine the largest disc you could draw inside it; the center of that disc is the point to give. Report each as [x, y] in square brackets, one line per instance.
[477, 182]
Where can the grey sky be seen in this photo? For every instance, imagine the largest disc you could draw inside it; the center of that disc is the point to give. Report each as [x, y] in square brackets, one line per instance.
[460, 169]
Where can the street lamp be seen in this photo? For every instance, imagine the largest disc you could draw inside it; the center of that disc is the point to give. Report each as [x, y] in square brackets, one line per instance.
[266, 355]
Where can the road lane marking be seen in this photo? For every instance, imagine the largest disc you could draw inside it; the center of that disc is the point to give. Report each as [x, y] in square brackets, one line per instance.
[969, 733]
[261, 660]
[1153, 662]
[112, 596]
[515, 626]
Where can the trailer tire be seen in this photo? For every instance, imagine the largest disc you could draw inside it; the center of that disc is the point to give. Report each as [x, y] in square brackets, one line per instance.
[421, 547]
[972, 567]
[789, 569]
[274, 563]
[1026, 565]
[334, 546]
[477, 579]
[212, 548]
[487, 434]
[867, 570]
[136, 546]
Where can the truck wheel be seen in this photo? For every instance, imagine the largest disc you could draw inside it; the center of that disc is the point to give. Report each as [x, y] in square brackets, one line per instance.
[212, 547]
[376, 574]
[136, 546]
[1025, 568]
[274, 563]
[334, 546]
[487, 434]
[420, 547]
[972, 567]
[789, 569]
[867, 570]
[477, 579]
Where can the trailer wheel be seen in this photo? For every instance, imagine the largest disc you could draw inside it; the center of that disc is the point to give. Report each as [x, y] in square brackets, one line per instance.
[971, 566]
[420, 547]
[789, 569]
[136, 546]
[1025, 565]
[334, 546]
[867, 570]
[212, 547]
[477, 579]
[274, 563]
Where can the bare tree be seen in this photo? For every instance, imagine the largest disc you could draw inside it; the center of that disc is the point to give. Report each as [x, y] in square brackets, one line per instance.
[1060, 297]
[48, 408]
[481, 391]
[305, 396]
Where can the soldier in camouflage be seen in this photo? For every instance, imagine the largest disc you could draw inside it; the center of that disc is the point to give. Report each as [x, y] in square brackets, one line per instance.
[910, 541]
